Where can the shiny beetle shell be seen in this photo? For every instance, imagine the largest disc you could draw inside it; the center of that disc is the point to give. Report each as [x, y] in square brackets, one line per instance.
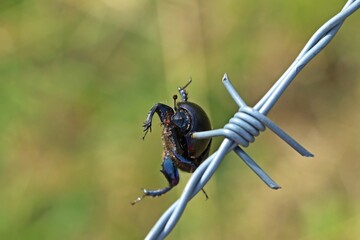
[199, 121]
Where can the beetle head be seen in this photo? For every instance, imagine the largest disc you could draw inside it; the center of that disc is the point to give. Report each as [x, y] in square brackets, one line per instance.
[181, 119]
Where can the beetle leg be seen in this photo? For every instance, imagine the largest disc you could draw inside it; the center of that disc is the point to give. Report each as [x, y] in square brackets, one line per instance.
[206, 196]
[182, 91]
[192, 165]
[161, 110]
[172, 175]
[170, 171]
[205, 154]
[188, 163]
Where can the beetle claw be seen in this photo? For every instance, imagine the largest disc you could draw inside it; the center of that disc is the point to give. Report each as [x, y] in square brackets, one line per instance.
[206, 196]
[140, 198]
[137, 200]
[147, 128]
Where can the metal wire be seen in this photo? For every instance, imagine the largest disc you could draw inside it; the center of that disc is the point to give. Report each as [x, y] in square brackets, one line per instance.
[247, 123]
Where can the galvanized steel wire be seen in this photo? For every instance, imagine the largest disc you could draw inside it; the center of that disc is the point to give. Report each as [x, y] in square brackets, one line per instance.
[248, 122]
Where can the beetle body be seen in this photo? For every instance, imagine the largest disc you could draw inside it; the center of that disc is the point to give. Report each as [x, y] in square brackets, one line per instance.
[181, 151]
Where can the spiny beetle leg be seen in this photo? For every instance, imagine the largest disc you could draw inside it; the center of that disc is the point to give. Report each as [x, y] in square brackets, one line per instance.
[161, 110]
[172, 176]
[191, 165]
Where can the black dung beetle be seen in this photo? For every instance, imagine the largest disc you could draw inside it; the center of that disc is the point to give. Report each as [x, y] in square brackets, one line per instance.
[181, 151]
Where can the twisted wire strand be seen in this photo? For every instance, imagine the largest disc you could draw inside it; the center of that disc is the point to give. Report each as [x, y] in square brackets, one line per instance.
[247, 123]
[316, 43]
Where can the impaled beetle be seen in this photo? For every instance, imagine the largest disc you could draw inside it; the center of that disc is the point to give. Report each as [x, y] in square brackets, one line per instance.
[181, 151]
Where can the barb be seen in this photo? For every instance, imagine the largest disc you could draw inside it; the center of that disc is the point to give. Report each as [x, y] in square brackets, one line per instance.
[247, 123]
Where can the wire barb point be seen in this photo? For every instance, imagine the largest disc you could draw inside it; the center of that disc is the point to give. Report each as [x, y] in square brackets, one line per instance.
[225, 77]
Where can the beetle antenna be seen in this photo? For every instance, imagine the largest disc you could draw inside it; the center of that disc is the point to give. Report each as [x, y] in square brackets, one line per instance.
[182, 91]
[175, 98]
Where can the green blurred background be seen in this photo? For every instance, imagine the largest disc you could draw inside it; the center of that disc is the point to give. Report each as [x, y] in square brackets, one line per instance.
[77, 79]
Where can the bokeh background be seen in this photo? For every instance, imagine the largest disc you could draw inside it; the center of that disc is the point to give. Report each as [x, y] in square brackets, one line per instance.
[77, 79]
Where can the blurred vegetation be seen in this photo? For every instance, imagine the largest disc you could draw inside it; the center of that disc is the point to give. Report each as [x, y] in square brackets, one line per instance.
[78, 77]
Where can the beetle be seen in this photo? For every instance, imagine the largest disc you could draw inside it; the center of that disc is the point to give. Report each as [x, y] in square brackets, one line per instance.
[181, 151]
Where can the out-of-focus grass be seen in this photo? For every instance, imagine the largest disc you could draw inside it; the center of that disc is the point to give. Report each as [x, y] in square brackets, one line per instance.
[78, 77]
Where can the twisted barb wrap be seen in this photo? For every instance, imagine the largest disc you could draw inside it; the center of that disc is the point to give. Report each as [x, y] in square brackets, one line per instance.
[247, 123]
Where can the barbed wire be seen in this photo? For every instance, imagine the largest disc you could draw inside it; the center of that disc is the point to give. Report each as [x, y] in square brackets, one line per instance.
[247, 123]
